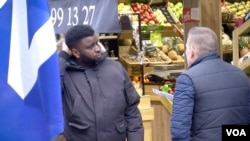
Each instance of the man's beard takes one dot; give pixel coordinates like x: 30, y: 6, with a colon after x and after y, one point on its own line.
x: 88, y: 61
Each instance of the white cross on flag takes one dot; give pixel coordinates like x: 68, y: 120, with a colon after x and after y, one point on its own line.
x: 30, y: 96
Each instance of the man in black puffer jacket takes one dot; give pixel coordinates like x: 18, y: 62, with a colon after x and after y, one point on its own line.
x: 100, y: 102
x: 209, y: 94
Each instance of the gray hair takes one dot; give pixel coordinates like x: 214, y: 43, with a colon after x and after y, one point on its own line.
x: 203, y: 39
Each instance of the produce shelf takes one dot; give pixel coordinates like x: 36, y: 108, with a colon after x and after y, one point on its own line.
x: 169, y: 16
x: 243, y: 30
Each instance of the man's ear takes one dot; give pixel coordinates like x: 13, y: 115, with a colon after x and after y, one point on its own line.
x: 75, y: 53
x: 194, y: 52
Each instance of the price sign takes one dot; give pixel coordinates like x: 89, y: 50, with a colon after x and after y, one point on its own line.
x: 190, y: 15
x: 102, y: 15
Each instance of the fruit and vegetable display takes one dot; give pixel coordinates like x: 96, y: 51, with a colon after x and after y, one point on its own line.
x: 234, y: 10
x: 226, y: 41
x: 170, y: 52
x: 177, y: 9
x: 163, y: 14
x: 169, y: 85
x: 124, y: 8
x: 174, y: 48
x: 151, y: 14
x: 156, y: 15
x: 166, y: 85
x: 244, y: 45
x: 153, y: 56
x: 147, y: 16
x: 161, y: 17
x: 146, y: 13
x: 132, y: 59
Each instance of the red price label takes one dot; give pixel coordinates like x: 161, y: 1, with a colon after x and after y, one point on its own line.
x: 190, y: 15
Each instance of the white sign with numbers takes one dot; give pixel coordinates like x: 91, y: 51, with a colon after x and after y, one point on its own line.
x: 102, y: 15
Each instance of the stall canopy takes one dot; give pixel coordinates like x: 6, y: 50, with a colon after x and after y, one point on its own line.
x: 102, y: 15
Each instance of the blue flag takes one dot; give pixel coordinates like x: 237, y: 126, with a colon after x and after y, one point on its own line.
x: 30, y: 93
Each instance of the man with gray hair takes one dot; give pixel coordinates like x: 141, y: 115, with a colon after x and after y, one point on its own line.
x: 209, y: 94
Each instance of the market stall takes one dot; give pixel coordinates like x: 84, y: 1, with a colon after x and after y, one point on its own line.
x: 210, y: 15
x: 153, y: 43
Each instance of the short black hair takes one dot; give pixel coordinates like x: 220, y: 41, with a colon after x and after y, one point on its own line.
x: 77, y: 33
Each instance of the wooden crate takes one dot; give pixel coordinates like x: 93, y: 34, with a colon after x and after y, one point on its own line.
x: 125, y: 53
x: 165, y: 59
x: 136, y: 70
x: 129, y: 51
x: 181, y: 62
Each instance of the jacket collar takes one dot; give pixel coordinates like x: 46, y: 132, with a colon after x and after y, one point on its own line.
x: 73, y: 65
x: 205, y: 57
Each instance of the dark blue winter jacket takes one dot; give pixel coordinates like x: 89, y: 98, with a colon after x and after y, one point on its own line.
x: 209, y: 94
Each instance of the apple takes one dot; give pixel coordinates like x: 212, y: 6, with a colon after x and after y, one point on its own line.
x: 141, y: 11
x: 151, y: 12
x: 151, y: 22
x: 139, y: 6
x: 142, y: 16
x: 170, y: 4
x: 148, y: 16
x: 146, y: 20
x: 135, y: 8
x: 146, y: 13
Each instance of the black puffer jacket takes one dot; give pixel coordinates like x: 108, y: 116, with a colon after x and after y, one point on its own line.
x: 100, y: 103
